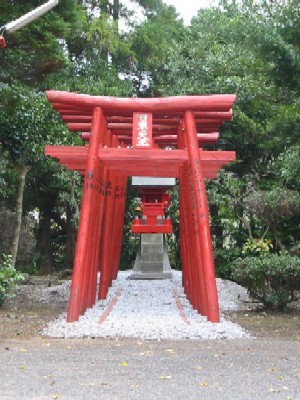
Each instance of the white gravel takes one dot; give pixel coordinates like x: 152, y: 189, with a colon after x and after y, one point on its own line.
x: 146, y: 309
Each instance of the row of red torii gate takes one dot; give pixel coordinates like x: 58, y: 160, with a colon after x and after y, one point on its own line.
x: 149, y: 137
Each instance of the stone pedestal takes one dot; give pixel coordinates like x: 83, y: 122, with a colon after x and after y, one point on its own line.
x: 152, y: 261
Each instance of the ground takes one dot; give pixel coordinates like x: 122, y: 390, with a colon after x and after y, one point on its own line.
x: 23, y: 317
x: 35, y: 367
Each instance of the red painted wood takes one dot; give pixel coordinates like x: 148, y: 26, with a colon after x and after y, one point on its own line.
x: 195, y: 280
x: 119, y: 217
x: 85, y: 215
x: 185, y: 248
x: 216, y: 102
x: 99, y: 206
x: 202, y: 114
x: 106, y: 256
x: 198, y: 273
x: 164, y: 139
x: 2, y: 42
x: 202, y: 217
x: 129, y: 162
x: 106, y: 266
x: 91, y: 245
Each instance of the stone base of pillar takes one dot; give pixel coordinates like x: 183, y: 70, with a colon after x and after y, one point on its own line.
x: 152, y: 261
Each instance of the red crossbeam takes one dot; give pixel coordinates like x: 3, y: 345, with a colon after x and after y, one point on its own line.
x: 140, y: 162
x: 176, y: 104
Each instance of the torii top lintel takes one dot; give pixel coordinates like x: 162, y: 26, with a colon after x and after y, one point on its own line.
x: 175, y: 104
x: 166, y: 115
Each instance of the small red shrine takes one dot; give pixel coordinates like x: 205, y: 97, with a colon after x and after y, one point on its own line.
x: 152, y: 137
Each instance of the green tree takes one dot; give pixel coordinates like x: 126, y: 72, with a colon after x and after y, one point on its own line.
x: 37, y: 49
x: 25, y: 129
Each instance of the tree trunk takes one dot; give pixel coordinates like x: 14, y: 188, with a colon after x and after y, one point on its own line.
x: 70, y: 239
x: 23, y: 170
x: 104, y: 6
x: 116, y: 10
x: 44, y: 235
x: 279, y: 242
x: 248, y: 227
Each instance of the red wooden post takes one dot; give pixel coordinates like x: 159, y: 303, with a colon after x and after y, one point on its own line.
x: 86, y: 278
x: 97, y: 132
x: 92, y: 279
x: 119, y: 222
x: 194, y: 256
x: 198, y: 272
x: 101, y: 206
x: 197, y: 290
x: 184, y: 245
x: 106, y: 256
x: 202, y: 215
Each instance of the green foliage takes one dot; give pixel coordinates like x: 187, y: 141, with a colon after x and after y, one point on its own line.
x: 9, y: 277
x: 130, y: 241
x: 36, y: 50
x: 274, y: 206
x: 272, y: 279
x: 257, y: 247
x: 151, y: 42
x: 173, y: 240
x: 224, y: 258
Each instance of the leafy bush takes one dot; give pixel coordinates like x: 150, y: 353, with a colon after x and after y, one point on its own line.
x: 257, y: 247
x: 224, y: 259
x: 8, y: 277
x: 273, y: 279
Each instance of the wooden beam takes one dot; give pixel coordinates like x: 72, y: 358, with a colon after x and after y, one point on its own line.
x: 217, y: 102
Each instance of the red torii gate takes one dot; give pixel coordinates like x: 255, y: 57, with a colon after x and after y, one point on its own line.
x: 157, y: 137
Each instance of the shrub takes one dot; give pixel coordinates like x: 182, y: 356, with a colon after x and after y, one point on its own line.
x: 224, y: 259
x: 273, y: 279
x: 8, y: 277
x: 256, y: 247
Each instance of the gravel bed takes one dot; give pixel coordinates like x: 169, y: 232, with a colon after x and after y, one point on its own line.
x: 148, y: 310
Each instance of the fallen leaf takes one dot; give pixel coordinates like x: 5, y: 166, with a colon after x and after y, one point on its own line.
x: 22, y: 350
x: 22, y: 367
x: 47, y: 376
x: 170, y: 351
x: 272, y: 369
x: 56, y: 396
x: 204, y: 384
x: 165, y: 377
x: 124, y: 364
